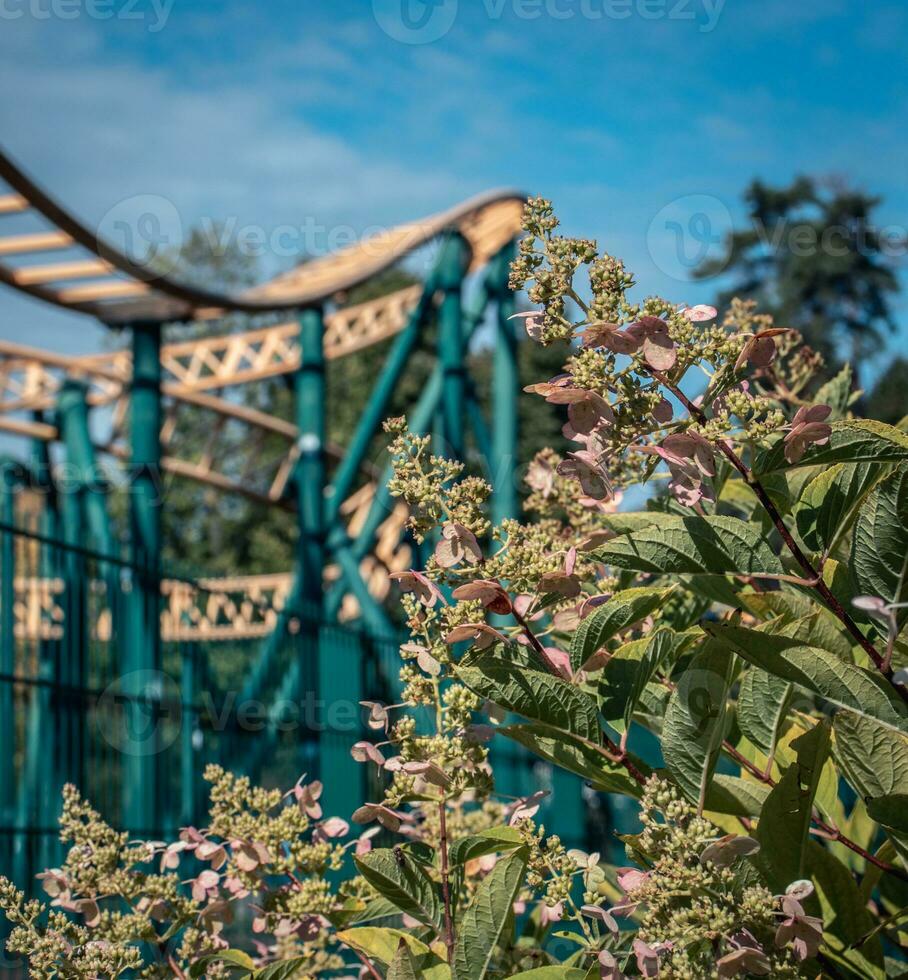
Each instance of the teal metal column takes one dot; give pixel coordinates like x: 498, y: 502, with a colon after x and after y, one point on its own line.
x: 7, y: 661
x: 143, y: 659
x: 333, y: 680
x: 82, y: 467
x: 452, y: 266
x: 309, y: 388
x: 505, y: 392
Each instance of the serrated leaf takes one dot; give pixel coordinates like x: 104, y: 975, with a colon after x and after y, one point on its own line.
x: 632, y: 667
x: 735, y: 796
x: 403, y: 882
x: 856, y: 688
x: 381, y: 943
x: 879, y: 554
x: 785, y: 819
x: 693, y: 546
x: 403, y: 966
x: 832, y: 500
x: 695, y: 720
x: 836, y: 393
x: 617, y: 614
x: 846, y: 919
x: 891, y: 812
x: 581, y: 759
x: 483, y: 923
x: 531, y: 693
x: 283, y: 970
x: 491, y: 841
x: 234, y: 958
x: 851, y: 441
x: 872, y: 758
x: 762, y: 704
x: 552, y: 973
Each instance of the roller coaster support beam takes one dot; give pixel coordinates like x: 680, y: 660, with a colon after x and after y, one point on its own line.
x: 140, y: 785
x: 83, y: 477
x: 420, y: 421
x: 374, y: 413
x: 505, y: 384
x: 335, y: 678
x: 8, y: 485
x: 42, y: 778
x: 452, y: 267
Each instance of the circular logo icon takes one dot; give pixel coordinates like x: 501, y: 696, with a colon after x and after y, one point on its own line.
x: 147, y: 229
x: 687, y: 233
x: 415, y: 21
x: 140, y: 714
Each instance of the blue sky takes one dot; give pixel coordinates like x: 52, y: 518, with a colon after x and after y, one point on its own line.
x: 634, y: 116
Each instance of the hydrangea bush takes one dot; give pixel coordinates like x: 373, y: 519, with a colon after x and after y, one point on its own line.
x: 750, y: 617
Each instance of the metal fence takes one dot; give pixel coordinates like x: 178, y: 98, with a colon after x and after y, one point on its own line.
x: 71, y: 710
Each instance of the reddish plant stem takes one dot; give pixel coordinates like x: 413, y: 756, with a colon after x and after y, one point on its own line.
x: 609, y: 750
x: 827, y: 829
x: 367, y: 964
x: 445, y: 885
x: 812, y: 573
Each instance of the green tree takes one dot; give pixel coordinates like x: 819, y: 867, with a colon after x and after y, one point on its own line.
x: 812, y: 255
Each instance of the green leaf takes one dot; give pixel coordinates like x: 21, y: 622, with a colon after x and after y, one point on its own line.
x: 492, y: 841
x: 856, y: 688
x: 891, y: 813
x: 846, y: 919
x: 535, y: 695
x: 736, y: 796
x: 785, y: 819
x: 695, y: 720
x: 612, y: 617
x: 551, y: 973
x: 577, y: 757
x: 879, y: 554
x: 832, y: 500
x: 693, y: 546
x: 662, y: 645
x: 234, y: 958
x: 872, y: 758
x: 283, y: 970
x: 851, y: 441
x: 762, y: 704
x: 483, y: 923
x: 396, y: 876
x: 403, y: 967
x: 381, y: 943
x: 836, y: 393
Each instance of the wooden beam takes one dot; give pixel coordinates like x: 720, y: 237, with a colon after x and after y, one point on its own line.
x: 60, y: 271
x: 12, y: 204
x: 44, y: 241
x: 105, y: 289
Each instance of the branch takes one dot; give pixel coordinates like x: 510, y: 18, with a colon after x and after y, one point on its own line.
x: 812, y: 574
x: 445, y: 887
x: 826, y: 829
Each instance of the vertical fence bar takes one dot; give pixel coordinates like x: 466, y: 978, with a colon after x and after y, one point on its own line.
x: 144, y: 627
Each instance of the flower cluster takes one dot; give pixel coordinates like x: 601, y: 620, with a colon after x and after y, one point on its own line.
x: 624, y: 389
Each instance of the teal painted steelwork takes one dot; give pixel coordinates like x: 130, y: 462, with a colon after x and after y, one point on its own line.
x: 8, y: 485
x: 83, y: 475
x: 505, y: 386
x: 335, y: 679
x: 143, y: 647
x: 452, y: 267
